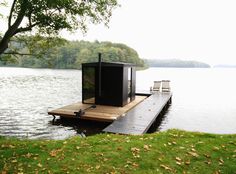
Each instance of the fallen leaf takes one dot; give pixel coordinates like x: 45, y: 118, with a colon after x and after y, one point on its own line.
x: 39, y: 165
x: 178, y: 159
x: 216, y: 148
x: 222, y: 145
x: 221, y: 160
x: 55, y: 152
x: 135, y: 164
x: 97, y: 167
x: 187, y: 162
x: 179, y: 163
x: 128, y: 162
x: 200, y: 142
x: 14, y: 161
x: 135, y: 150
x: 166, y: 167
x: 29, y: 155
x: 194, y: 154
x: 146, y: 147
x: 207, y: 156
x: 173, y: 142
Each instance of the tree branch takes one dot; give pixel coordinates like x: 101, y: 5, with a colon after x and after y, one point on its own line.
x: 29, y: 28
x: 10, y: 16
x: 17, y: 53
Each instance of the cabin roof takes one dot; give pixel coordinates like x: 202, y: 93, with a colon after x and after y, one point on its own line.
x: 111, y: 64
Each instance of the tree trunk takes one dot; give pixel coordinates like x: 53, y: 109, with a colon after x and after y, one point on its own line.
x: 4, y: 43
x: 12, y: 29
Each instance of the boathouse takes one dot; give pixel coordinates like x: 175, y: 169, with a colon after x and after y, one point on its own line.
x: 107, y: 83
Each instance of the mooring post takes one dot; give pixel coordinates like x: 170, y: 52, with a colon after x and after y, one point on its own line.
x: 53, y: 120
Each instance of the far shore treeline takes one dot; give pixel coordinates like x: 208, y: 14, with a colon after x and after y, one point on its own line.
x: 38, y: 52
x: 175, y: 63
x: 71, y: 54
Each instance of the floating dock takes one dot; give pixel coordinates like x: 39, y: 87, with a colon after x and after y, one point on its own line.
x: 138, y: 120
x: 101, y: 113
x: 135, y: 118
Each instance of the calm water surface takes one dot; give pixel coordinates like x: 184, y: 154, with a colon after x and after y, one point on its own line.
x: 203, y: 100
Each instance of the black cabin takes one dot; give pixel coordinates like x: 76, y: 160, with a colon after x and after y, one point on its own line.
x: 107, y: 83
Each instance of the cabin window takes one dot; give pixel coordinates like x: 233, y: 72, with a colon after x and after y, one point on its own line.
x: 129, y: 83
x: 88, y: 85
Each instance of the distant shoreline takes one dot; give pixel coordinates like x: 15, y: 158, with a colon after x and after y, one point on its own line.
x: 175, y: 63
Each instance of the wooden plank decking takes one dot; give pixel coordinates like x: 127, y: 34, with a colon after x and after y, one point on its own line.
x: 100, y: 113
x: 139, y: 119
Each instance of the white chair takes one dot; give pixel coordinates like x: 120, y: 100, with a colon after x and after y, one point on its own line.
x: 165, y: 86
x: 157, y: 86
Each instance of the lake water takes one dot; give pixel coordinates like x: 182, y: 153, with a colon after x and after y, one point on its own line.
x: 203, y: 100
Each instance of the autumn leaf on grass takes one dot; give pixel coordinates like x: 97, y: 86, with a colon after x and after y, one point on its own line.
x: 194, y: 154
x: 147, y: 147
x: 216, y: 148
x: 187, y: 162
x: 221, y: 161
x: 135, y: 151
x: 207, y: 155
x: 135, y: 164
x: 178, y: 161
x: 166, y: 167
x: 55, y: 152
x: 39, y: 165
x: 208, y: 162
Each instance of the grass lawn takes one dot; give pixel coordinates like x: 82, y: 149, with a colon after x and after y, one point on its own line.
x: 173, y: 151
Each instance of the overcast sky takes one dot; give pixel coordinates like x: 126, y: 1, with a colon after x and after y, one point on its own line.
x: 203, y: 30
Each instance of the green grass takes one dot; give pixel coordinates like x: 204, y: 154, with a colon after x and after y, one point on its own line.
x: 173, y: 151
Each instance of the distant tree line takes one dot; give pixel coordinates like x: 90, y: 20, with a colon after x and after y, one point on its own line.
x: 175, y: 63
x: 71, y: 54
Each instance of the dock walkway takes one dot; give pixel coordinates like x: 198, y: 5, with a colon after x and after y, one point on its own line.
x: 100, y: 113
x: 139, y: 119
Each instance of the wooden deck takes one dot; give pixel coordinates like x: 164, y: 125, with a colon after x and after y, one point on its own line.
x: 139, y: 119
x: 100, y: 113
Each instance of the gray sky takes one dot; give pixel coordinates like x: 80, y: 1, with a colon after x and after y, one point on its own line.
x: 203, y: 30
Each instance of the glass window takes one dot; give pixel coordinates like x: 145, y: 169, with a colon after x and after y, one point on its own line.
x: 129, y: 82
x: 89, y: 85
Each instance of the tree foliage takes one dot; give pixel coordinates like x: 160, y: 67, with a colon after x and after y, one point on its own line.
x: 73, y: 53
x: 48, y: 17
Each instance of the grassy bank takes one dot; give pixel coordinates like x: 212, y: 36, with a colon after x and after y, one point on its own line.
x: 173, y: 151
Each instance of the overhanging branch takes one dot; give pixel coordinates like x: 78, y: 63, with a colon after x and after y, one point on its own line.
x: 29, y: 28
x: 20, y: 54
